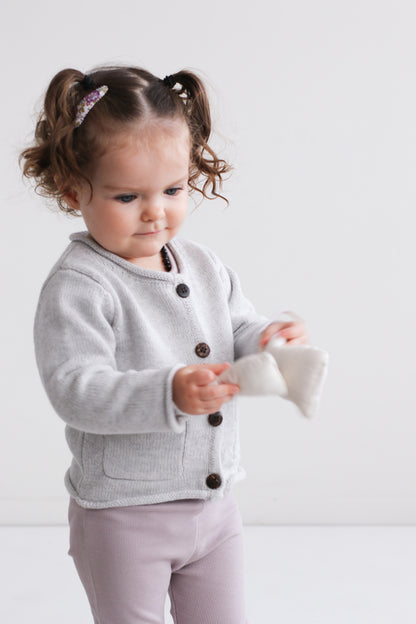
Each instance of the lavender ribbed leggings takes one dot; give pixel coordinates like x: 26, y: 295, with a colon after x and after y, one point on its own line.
x: 128, y: 558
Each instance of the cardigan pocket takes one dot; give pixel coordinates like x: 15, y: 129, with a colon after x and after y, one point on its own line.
x: 145, y: 456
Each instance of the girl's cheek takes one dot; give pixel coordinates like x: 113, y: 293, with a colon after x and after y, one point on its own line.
x: 119, y: 217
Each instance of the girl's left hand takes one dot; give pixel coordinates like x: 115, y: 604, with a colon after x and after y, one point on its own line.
x: 293, y: 332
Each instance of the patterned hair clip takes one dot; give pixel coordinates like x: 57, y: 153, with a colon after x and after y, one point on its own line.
x: 87, y: 103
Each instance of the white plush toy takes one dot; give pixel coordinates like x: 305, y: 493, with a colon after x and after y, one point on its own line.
x: 294, y: 372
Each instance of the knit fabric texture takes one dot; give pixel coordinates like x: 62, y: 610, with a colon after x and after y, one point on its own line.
x: 109, y: 338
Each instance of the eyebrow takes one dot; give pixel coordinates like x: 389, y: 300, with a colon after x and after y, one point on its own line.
x: 110, y: 187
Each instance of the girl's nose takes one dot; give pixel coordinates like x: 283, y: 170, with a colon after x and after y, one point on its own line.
x: 152, y: 210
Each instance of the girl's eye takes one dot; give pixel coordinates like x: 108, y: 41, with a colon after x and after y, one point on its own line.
x: 172, y: 191
x: 125, y: 199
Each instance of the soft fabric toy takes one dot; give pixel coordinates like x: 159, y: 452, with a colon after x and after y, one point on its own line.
x: 256, y: 374
x: 296, y: 373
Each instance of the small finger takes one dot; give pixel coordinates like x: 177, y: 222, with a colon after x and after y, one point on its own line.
x: 270, y: 331
x: 208, y: 407
x: 207, y: 373
x: 298, y: 341
x: 294, y: 331
x: 278, y: 330
x: 218, y: 391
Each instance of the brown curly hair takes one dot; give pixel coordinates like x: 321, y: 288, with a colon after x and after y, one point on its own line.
x: 59, y: 159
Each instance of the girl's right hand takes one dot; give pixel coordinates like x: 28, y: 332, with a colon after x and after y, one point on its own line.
x: 194, y: 391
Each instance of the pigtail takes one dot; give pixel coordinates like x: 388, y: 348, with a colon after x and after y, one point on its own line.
x: 51, y: 161
x: 204, y: 161
x: 60, y: 159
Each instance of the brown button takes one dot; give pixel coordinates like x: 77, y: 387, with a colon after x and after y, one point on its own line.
x: 213, y: 481
x: 215, y: 419
x: 202, y: 350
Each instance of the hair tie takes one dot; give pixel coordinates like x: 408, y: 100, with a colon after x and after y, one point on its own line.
x: 87, y: 103
x: 87, y: 82
x: 169, y: 81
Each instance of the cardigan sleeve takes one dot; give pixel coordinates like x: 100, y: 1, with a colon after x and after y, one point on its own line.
x: 75, y: 353
x: 247, y: 324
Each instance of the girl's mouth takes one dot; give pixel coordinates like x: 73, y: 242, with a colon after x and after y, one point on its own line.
x: 148, y: 233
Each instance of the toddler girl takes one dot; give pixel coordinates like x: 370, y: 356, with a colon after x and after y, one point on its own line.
x: 133, y: 326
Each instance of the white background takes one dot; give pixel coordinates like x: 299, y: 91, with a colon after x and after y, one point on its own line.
x: 315, y: 105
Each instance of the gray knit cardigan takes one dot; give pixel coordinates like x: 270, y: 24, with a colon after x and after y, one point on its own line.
x: 109, y: 337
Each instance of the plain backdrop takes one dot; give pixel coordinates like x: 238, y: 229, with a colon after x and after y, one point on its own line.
x: 314, y: 104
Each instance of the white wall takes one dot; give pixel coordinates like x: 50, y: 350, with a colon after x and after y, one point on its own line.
x: 315, y: 104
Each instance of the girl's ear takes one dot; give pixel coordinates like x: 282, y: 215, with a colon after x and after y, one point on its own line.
x: 71, y: 198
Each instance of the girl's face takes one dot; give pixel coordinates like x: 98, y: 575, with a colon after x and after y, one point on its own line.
x: 140, y: 192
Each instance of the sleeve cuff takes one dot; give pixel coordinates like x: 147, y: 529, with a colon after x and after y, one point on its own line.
x: 176, y: 418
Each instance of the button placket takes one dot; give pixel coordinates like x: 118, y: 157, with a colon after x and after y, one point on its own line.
x: 215, y: 419
x: 202, y: 350
x: 213, y: 481
x: 183, y: 290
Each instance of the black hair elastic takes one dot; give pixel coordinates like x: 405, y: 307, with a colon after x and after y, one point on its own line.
x: 88, y: 83
x: 169, y: 81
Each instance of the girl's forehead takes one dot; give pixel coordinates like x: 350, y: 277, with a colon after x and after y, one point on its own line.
x: 163, y: 149
x: 153, y: 132
x: 164, y: 139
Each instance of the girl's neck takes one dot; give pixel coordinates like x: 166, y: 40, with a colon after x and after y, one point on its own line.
x: 159, y: 262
